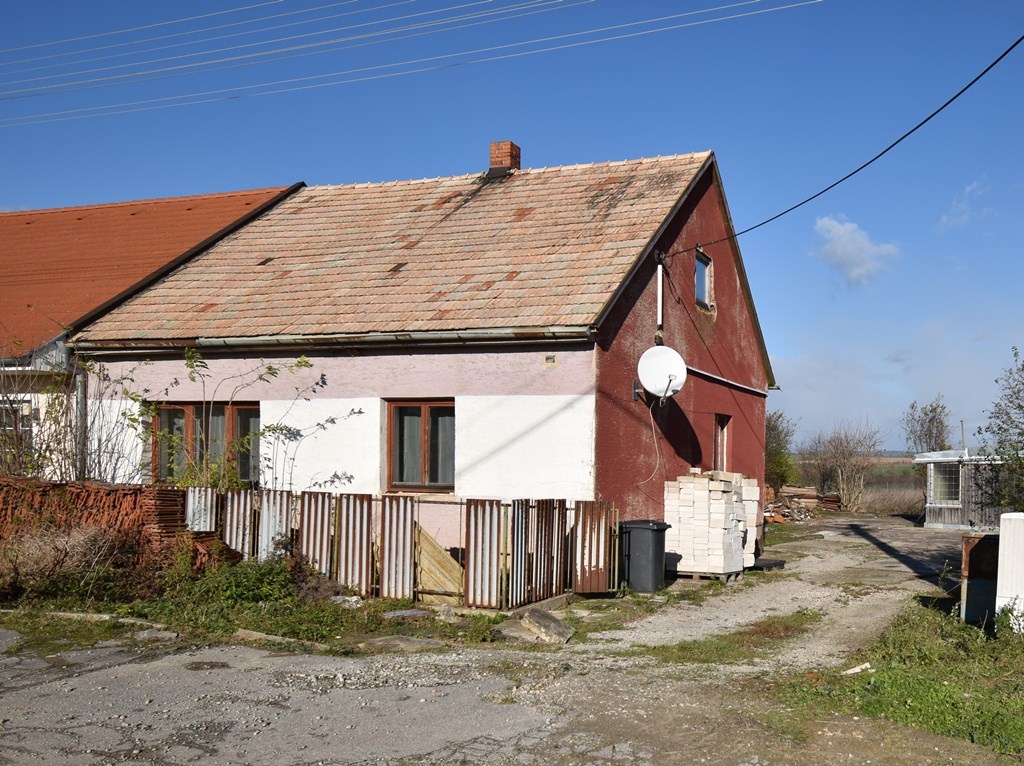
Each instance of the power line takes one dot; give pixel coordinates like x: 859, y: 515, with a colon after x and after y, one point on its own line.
x: 418, y: 66
x: 139, y: 28
x: 187, y: 33
x: 870, y: 162
x: 69, y: 87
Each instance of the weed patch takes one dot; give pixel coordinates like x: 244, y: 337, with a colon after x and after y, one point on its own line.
x: 933, y: 673
x: 742, y: 645
x: 44, y: 634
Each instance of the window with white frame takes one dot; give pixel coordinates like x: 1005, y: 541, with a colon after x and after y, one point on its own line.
x: 15, y: 436
x: 944, y: 484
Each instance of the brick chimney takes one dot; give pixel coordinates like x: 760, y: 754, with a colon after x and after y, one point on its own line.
x: 504, y: 159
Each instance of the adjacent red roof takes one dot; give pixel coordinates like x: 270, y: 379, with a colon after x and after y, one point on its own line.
x: 60, y: 265
x: 538, y: 248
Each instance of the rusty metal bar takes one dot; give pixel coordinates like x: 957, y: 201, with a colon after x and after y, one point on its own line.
x: 397, y: 547
x: 275, y: 520
x: 237, y: 533
x: 316, y: 529
x: 201, y: 509
x: 593, y: 547
x: 353, y: 559
x: 483, y: 553
x: 517, y: 590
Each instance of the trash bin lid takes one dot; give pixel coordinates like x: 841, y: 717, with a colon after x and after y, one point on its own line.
x: 646, y: 524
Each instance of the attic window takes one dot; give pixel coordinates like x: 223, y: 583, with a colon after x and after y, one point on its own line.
x: 397, y: 267
x: 265, y: 261
x: 702, y: 279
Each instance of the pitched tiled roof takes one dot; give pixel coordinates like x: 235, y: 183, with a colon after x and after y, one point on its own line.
x: 59, y: 265
x: 539, y: 248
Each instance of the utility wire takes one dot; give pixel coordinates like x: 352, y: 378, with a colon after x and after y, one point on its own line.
x: 426, y: 64
x: 69, y: 87
x: 187, y: 33
x: 870, y: 162
x: 138, y: 29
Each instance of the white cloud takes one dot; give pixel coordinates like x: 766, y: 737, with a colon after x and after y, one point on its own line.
x: 849, y: 249
x: 964, y: 209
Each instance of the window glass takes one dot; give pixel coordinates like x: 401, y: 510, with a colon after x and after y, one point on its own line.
x: 442, y: 445
x: 171, y: 443
x: 408, y: 441
x: 945, y: 483
x: 247, y: 438
x: 702, y: 280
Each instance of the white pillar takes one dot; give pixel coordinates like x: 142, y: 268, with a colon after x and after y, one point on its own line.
x: 1010, y: 575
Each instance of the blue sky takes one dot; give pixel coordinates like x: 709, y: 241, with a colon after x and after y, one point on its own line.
x: 901, y: 284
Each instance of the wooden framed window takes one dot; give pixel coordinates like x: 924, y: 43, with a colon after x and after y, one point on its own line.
x: 721, y: 456
x: 421, y: 445
x: 702, y: 280
x: 206, y: 438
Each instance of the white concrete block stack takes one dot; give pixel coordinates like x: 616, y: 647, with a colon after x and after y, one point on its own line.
x: 709, y: 515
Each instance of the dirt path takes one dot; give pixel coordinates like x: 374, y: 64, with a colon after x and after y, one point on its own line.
x: 587, y: 703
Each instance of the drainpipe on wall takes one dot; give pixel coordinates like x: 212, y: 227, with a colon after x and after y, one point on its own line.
x: 82, y: 411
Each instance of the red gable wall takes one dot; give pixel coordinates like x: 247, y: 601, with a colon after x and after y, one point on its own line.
x: 640, y: 446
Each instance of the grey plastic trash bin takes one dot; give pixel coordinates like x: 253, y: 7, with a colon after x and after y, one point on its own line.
x: 643, y: 554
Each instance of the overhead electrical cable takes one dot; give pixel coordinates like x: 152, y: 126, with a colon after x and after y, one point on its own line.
x: 70, y: 87
x: 190, y: 32
x: 139, y: 28
x: 873, y: 160
x: 420, y: 65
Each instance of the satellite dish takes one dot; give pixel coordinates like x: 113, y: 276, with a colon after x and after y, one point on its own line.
x: 662, y: 371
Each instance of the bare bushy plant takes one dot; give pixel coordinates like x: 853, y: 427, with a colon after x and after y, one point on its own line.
x: 839, y: 460
x: 50, y: 561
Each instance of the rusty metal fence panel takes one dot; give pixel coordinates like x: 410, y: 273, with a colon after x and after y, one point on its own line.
x: 594, y: 532
x: 397, y: 547
x: 517, y: 555
x: 275, y: 520
x: 316, y: 529
x: 239, y: 521
x: 201, y: 505
x: 354, y: 543
x: 548, y: 524
x: 484, y: 537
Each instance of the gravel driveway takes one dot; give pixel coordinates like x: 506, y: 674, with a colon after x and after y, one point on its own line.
x: 586, y: 703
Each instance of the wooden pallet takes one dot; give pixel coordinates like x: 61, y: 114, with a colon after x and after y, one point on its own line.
x: 725, y: 577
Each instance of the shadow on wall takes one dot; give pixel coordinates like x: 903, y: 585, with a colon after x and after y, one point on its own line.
x: 677, y: 429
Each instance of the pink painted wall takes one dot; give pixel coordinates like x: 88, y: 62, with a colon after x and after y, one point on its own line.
x: 639, y: 447
x: 383, y: 374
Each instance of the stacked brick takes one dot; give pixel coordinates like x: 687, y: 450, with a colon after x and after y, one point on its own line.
x: 155, y: 513
x: 715, y: 522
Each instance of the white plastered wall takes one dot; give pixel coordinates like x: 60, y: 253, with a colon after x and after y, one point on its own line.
x: 350, y: 446
x: 525, y: 446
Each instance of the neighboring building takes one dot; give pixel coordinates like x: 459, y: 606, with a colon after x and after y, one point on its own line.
x: 62, y: 267
x: 955, y: 494
x: 470, y: 336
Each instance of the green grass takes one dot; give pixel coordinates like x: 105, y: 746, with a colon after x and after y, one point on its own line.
x: 933, y: 673
x: 279, y: 597
x: 45, y: 634
x: 743, y: 645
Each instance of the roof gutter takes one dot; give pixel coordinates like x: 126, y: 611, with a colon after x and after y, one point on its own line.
x: 551, y: 334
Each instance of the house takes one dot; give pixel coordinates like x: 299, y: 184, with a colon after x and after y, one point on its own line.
x: 956, y: 489
x: 469, y: 336
x: 64, y: 266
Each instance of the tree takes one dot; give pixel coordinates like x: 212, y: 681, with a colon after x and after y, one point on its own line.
x: 841, y: 458
x: 779, y: 467
x: 927, y: 426
x: 1003, y: 435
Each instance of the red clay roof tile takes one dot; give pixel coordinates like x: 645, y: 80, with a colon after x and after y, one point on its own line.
x: 58, y: 265
x: 430, y: 255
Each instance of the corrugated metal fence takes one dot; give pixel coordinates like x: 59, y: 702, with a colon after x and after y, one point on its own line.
x: 512, y: 554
